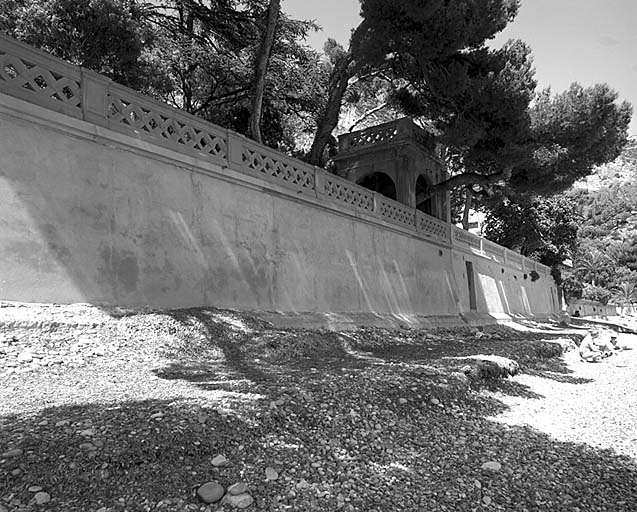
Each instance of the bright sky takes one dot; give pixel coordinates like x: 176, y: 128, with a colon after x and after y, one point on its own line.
x: 585, y: 41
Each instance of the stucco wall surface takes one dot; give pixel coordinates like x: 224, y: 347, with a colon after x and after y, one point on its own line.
x: 504, y: 291
x: 89, y: 215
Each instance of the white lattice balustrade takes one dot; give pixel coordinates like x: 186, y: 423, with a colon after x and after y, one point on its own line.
x: 372, y: 136
x: 45, y: 86
x: 397, y: 212
x: 164, y: 126
x: 279, y: 169
x: 349, y: 193
x: 432, y: 227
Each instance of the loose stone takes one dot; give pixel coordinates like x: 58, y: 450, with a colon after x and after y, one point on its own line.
x: 41, y: 498
x: 219, y: 460
x: 271, y: 474
x: 238, y: 501
x: 492, y: 466
x: 211, y: 492
x: 238, y: 488
x: 12, y: 453
x: 25, y: 357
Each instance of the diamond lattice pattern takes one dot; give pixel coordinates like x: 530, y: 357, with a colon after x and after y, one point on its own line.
x: 164, y: 127
x: 350, y: 195
x: 45, y: 84
x: 278, y: 169
x: 432, y: 227
x: 397, y: 213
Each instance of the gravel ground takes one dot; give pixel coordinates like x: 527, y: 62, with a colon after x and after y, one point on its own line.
x: 596, y: 405
x: 115, y: 410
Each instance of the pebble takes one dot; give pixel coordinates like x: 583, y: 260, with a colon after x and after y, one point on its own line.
x: 34, y: 488
x: 219, y: 461
x: 303, y: 484
x: 271, y: 474
x: 238, y: 488
x: 42, y: 497
x: 238, y: 501
x: 211, y: 492
x: 491, y: 466
x: 25, y: 357
x: 12, y: 453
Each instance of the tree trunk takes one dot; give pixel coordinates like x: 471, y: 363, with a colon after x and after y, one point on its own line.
x: 468, y: 199
x: 263, y: 57
x: 329, y: 118
x: 343, y: 71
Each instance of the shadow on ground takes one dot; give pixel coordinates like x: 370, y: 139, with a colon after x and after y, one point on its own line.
x: 348, y: 422
x: 260, y: 353
x: 354, y: 442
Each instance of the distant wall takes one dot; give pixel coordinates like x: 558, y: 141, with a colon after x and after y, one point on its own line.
x: 584, y: 307
x: 108, y: 197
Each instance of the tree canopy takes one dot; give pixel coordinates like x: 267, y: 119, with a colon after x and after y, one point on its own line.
x: 421, y: 45
x: 107, y: 36
x: 243, y: 64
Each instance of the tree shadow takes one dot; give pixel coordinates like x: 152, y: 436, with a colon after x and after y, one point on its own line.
x: 327, y: 440
x: 255, y: 354
x: 378, y: 417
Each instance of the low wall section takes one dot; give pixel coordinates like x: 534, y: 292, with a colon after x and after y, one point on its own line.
x: 107, y: 196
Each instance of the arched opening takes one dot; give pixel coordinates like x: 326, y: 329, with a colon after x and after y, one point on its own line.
x: 424, y: 201
x: 379, y: 182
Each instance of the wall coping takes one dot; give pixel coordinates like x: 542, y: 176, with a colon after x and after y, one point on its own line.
x: 45, y: 81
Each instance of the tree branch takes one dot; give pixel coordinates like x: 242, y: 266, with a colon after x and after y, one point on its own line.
x: 367, y: 114
x: 467, y: 179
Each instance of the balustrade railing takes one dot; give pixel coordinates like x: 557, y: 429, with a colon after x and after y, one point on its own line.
x: 259, y: 160
x: 462, y: 237
x: 433, y: 228
x: 348, y: 193
x: 128, y: 111
x: 399, y: 129
x: 39, y: 78
x: 493, y: 250
x: 399, y: 213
